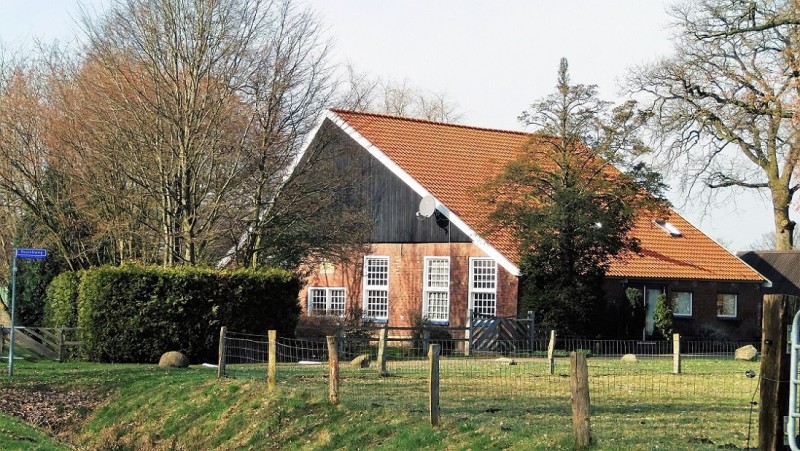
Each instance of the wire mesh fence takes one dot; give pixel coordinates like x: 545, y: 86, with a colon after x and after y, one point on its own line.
x: 643, y: 399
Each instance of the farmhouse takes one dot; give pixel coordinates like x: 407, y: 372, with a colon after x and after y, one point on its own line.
x: 427, y: 256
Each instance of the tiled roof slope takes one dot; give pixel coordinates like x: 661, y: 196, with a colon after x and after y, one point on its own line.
x: 451, y: 161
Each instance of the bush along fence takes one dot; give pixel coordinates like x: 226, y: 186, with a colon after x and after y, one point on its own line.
x: 662, y: 393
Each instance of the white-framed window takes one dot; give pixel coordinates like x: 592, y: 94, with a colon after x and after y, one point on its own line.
x: 376, y: 288
x: 726, y: 305
x: 682, y: 305
x: 483, y: 286
x: 326, y: 301
x: 436, y: 289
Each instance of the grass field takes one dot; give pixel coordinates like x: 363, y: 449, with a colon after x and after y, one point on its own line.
x: 485, y: 405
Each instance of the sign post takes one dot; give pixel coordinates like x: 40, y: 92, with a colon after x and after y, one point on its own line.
x: 25, y: 254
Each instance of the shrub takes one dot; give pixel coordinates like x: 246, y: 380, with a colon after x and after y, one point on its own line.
x: 436, y: 335
x: 61, y: 302
x: 33, y: 278
x: 636, y: 313
x: 134, y: 313
x: 662, y: 316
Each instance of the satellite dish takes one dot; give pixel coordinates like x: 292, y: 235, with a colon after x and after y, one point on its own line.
x: 427, y: 206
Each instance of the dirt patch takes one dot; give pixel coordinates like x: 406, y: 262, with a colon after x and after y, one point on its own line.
x: 53, y: 410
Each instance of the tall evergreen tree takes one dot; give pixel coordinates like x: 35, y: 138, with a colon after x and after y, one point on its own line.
x: 571, y: 210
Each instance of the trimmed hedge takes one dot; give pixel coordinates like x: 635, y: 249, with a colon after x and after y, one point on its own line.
x: 61, y: 303
x: 134, y: 313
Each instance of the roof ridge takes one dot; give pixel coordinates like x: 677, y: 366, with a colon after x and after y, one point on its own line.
x: 431, y: 122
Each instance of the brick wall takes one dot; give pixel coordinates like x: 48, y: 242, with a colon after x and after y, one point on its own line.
x: 406, y: 270
x: 704, y: 321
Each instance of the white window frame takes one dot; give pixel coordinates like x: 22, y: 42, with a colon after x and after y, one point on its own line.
x: 428, y: 290
x: 366, y: 288
x: 735, y: 305
x: 473, y: 290
x: 691, y: 304
x: 328, y: 301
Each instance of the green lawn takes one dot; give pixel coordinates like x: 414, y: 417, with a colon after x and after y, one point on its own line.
x: 485, y: 405
x: 15, y: 434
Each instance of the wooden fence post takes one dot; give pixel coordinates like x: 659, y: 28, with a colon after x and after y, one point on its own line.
x: 551, y: 347
x: 333, y: 364
x: 62, y: 351
x: 272, y: 365
x: 433, y: 359
x: 468, y: 333
x: 676, y: 353
x: 579, y: 382
x: 221, y: 362
x: 382, y: 351
x: 426, y: 337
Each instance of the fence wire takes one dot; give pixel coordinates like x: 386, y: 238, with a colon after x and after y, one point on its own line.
x: 639, y: 400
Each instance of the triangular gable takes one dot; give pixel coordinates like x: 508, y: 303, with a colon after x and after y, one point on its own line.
x: 404, y: 176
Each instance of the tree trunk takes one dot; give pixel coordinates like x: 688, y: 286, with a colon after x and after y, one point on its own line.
x: 784, y: 227
x: 778, y: 313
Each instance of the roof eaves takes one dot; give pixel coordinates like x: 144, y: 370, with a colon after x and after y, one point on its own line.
x: 419, y: 189
x: 765, y: 282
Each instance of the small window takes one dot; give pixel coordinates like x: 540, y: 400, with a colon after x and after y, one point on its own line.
x: 668, y: 227
x: 683, y: 303
x: 326, y: 267
x: 726, y: 305
x: 326, y: 301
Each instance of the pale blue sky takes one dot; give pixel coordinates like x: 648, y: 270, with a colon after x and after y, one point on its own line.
x: 492, y: 58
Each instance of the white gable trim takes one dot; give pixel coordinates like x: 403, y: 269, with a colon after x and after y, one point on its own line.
x: 419, y: 189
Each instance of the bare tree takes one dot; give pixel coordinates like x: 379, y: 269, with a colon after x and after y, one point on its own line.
x: 31, y: 173
x: 724, y: 106
x: 397, y: 98
x: 208, y: 101
x: 290, y: 86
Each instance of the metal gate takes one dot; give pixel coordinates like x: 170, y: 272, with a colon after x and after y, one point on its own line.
x: 794, y: 382
x: 503, y: 335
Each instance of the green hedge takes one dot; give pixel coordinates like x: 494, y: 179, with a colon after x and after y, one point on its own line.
x: 60, y: 308
x: 134, y: 313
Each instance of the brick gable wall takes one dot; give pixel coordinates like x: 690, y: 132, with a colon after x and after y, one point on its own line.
x: 406, y: 270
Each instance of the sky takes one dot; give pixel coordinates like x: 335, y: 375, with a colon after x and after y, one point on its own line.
x: 491, y: 58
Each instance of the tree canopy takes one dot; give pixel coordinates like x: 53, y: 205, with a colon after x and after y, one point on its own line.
x: 169, y: 133
x: 570, y: 208
x: 724, y: 107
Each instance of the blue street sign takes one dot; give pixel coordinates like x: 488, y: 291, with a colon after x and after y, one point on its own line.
x: 32, y: 254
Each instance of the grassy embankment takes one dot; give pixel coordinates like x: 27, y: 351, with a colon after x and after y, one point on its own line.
x: 144, y: 407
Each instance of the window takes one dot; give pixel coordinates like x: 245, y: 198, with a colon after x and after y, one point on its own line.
x: 376, y: 288
x: 326, y: 301
x: 436, y: 289
x: 726, y: 305
x: 683, y: 303
x: 668, y: 227
x: 483, y: 286
x: 326, y: 267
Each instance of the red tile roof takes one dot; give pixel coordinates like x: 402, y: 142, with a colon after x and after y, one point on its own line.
x: 451, y: 161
